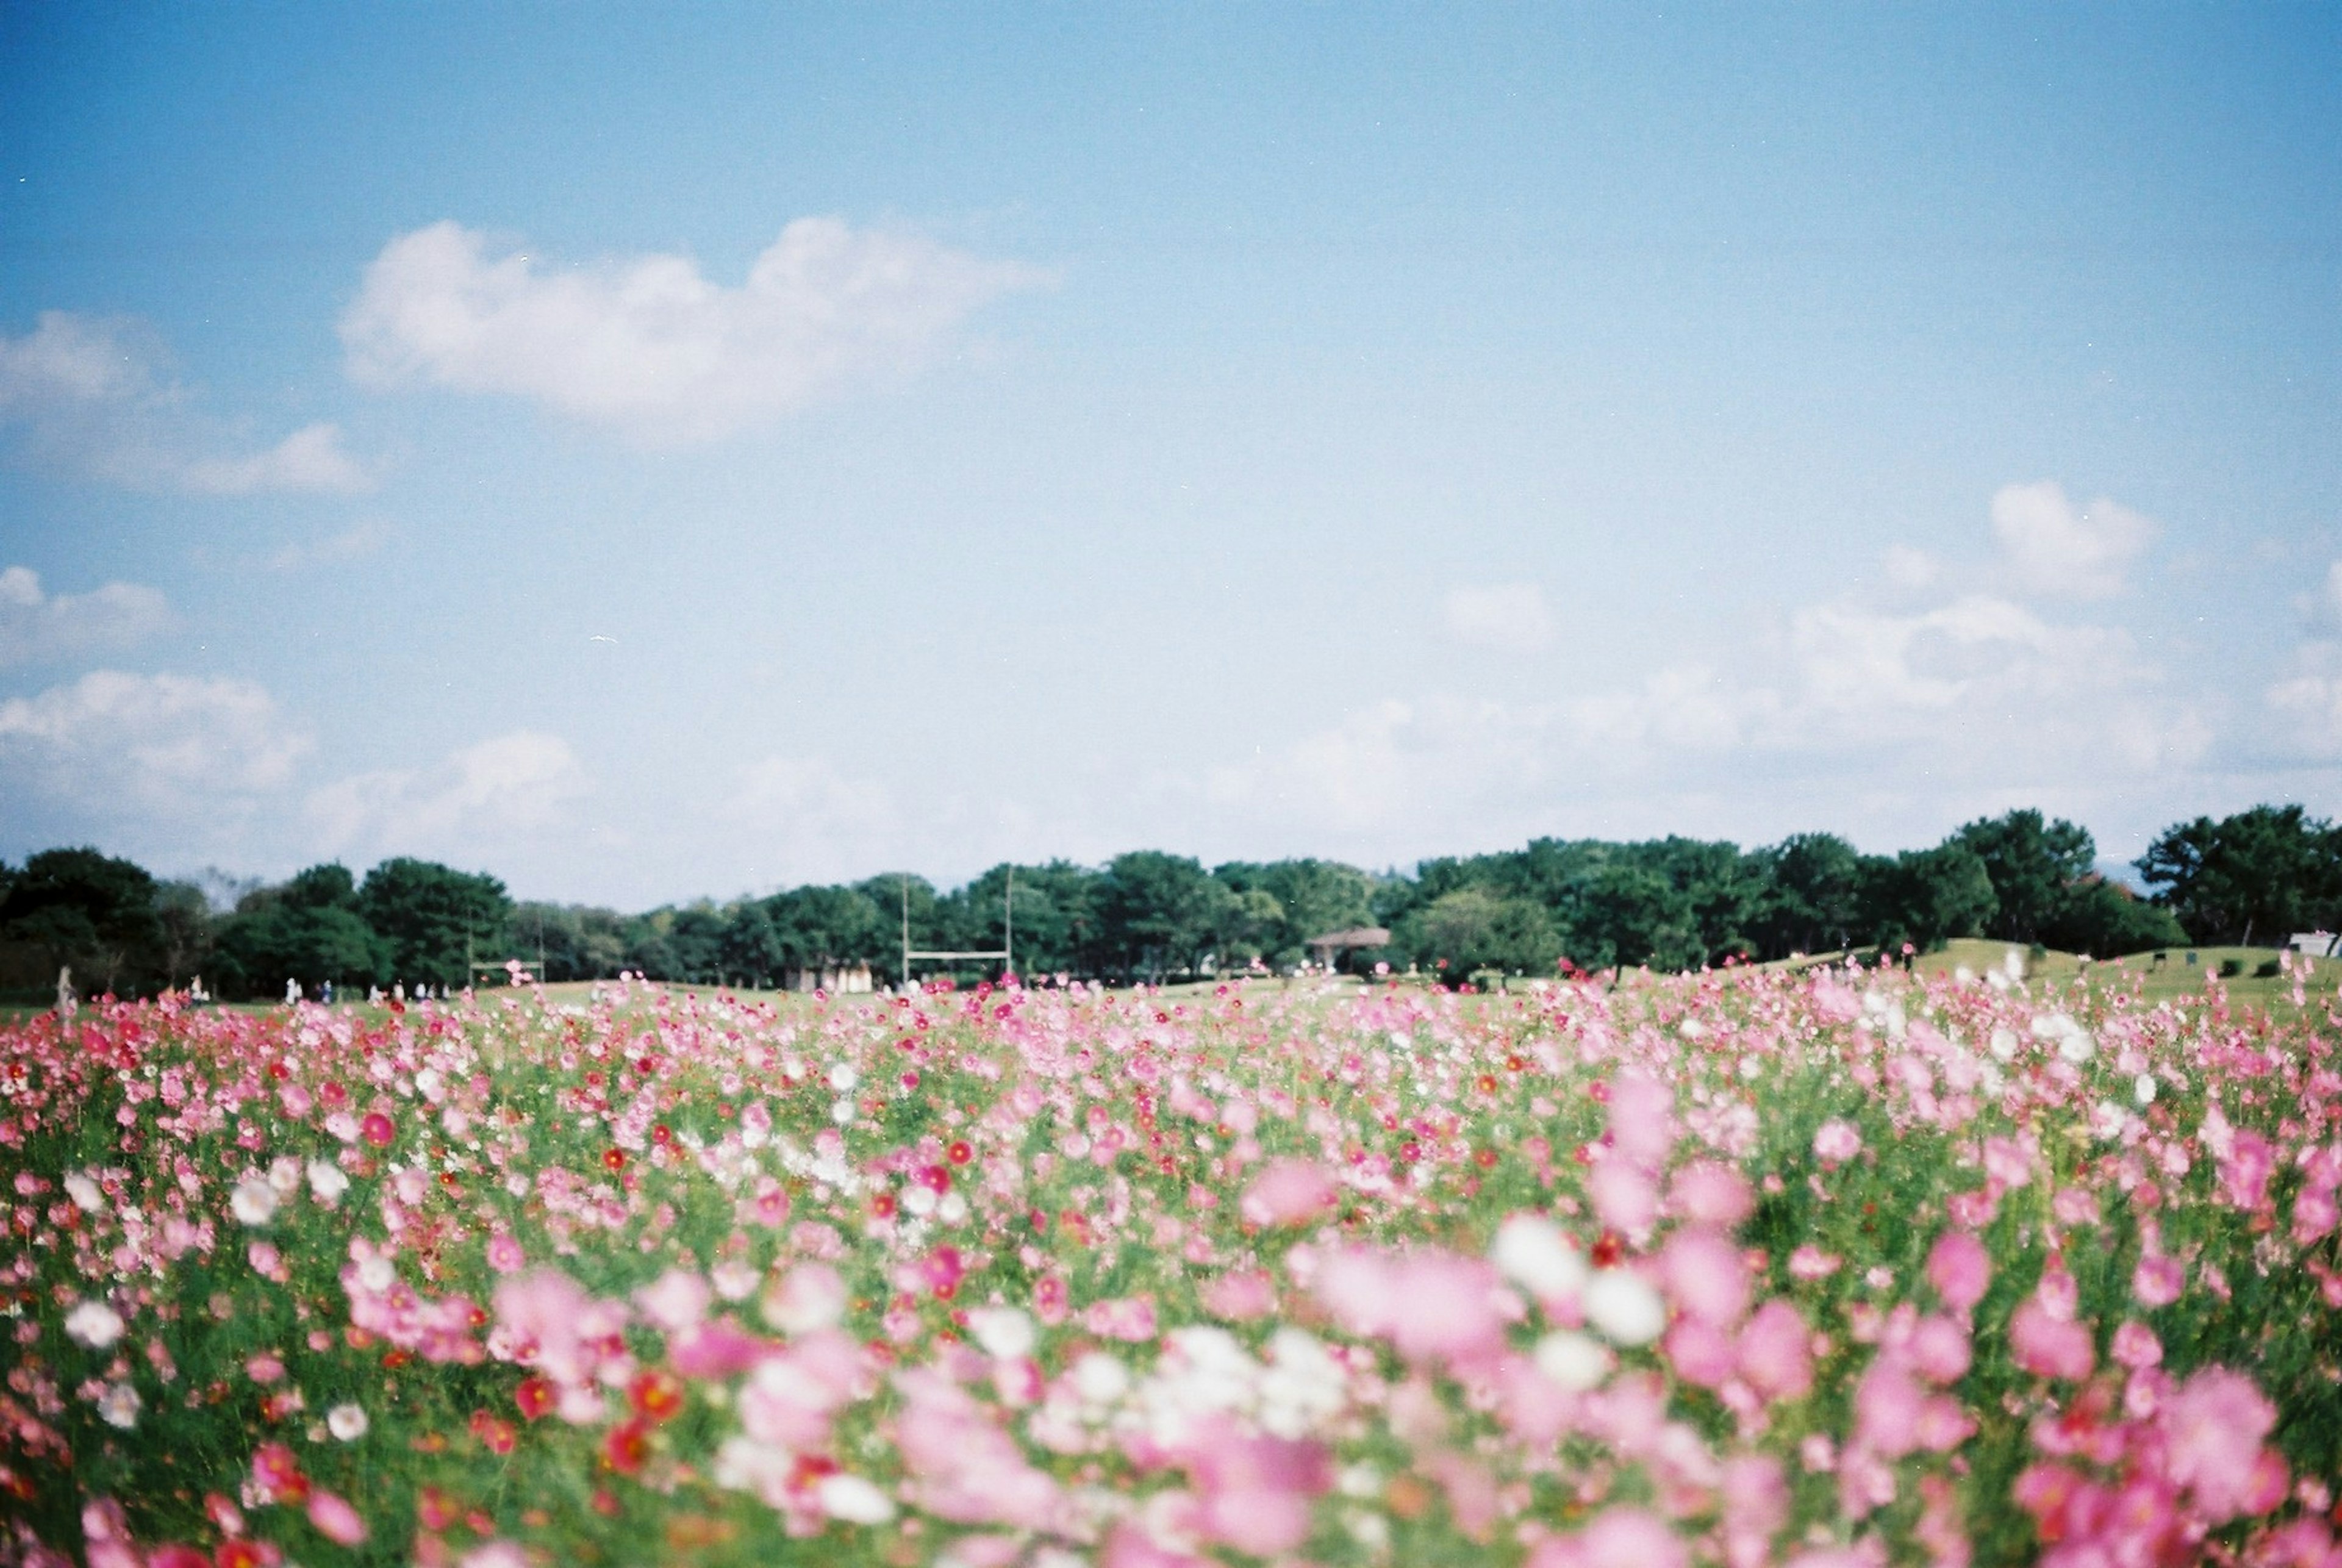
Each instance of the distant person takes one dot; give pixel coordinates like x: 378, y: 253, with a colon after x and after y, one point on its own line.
x: 292, y: 991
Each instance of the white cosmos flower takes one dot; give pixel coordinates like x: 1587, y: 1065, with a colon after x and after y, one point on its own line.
x: 2003, y: 1045
x: 843, y: 1077
x: 284, y: 1175
x: 253, y: 1202
x: 1532, y: 1252
x: 1004, y: 1333
x: 84, y: 1193
x: 119, y: 1405
x: 842, y: 1112
x: 1623, y: 1308
x: 2142, y: 1089
x: 327, y: 1180
x: 855, y: 1500
x: 377, y: 1273
x: 347, y: 1421
x: 94, y: 1325
x: 1572, y: 1360
x: 1100, y: 1379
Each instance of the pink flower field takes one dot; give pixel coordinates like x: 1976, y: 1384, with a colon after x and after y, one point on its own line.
x: 1745, y: 1268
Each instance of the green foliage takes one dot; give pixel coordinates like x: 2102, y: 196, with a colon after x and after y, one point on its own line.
x: 2268, y: 872
x: 88, y: 910
x: 434, y: 920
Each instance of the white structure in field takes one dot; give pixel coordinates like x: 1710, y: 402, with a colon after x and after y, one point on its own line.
x: 2316, y: 943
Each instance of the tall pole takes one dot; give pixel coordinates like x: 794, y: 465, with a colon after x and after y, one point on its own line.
x: 904, y: 881
x: 1008, y: 923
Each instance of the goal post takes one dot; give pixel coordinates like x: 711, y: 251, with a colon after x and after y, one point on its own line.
x: 1006, y: 952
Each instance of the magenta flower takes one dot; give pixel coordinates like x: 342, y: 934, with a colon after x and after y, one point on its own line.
x: 1959, y: 1268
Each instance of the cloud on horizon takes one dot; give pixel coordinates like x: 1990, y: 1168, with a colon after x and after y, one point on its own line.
x: 649, y: 345
x: 93, y: 397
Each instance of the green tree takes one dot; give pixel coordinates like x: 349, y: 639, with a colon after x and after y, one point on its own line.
x: 1926, y: 897
x: 1159, y: 912
x: 1474, y: 928
x: 435, y: 921
x: 2034, y: 865
x: 1811, y: 895
x: 88, y: 910
x: 2267, y: 873
x: 308, y: 929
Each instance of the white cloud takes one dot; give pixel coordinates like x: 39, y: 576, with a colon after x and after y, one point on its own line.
x: 1910, y: 567
x: 111, y: 745
x: 1508, y: 616
x: 349, y: 544
x: 93, y: 395
x: 311, y: 459
x: 2311, y: 704
x: 36, y: 626
x: 2324, y: 607
x: 800, y: 819
x: 651, y: 346
x: 2058, y: 552
x: 517, y: 783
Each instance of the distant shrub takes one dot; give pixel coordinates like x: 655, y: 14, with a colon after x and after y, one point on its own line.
x: 2231, y: 967
x: 2268, y: 967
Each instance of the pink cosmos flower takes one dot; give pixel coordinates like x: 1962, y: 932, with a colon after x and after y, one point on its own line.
x: 1432, y: 1304
x: 504, y: 1254
x: 1625, y: 1198
x: 1642, y: 1119
x: 377, y: 1129
x: 1129, y: 1318
x: 1240, y: 1295
x: 1959, y: 1268
x: 335, y: 1520
x: 1618, y: 1538
x: 2050, y: 1346
x: 2159, y: 1281
x: 1289, y: 1192
x: 1706, y: 1275
x: 2214, y: 1425
x: 1776, y: 1351
x: 2245, y: 1170
x: 1709, y: 1193
x: 1810, y: 1263
x: 1836, y: 1142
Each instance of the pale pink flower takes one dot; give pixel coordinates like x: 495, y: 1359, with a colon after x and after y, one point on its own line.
x: 1959, y: 1268
x: 1810, y: 1263
x: 675, y: 1300
x: 1700, y: 1353
x: 2048, y: 1345
x: 1939, y: 1350
x: 1706, y: 1275
x: 1776, y: 1352
x: 2159, y: 1281
x: 2136, y: 1347
x: 1240, y: 1295
x: 2214, y: 1425
x: 335, y: 1520
x: 1130, y: 1318
x: 1289, y: 1192
x: 1710, y: 1193
x: 1836, y: 1142
x: 1625, y: 1198
x: 1642, y: 1119
x: 2245, y: 1170
x: 504, y: 1254
x: 1618, y: 1538
x: 1430, y: 1303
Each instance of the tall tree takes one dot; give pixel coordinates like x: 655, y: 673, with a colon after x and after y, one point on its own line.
x: 2260, y: 873
x: 435, y: 919
x: 2032, y: 865
x: 91, y: 911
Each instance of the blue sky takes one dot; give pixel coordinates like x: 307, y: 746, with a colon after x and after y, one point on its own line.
x: 662, y: 451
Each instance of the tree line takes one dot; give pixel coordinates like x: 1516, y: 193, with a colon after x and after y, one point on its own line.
x: 1673, y: 904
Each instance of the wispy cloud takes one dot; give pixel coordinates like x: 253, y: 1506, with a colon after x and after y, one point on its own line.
x: 93, y: 395
x: 2058, y: 550
x: 349, y: 544
x: 173, y: 747
x: 37, y: 627
x: 1508, y: 616
x: 649, y: 345
x: 517, y: 783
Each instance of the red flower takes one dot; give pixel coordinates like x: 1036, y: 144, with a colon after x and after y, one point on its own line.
x: 656, y: 1395
x: 534, y: 1397
x: 959, y: 1153
x: 615, y: 1159
x: 626, y: 1446
x: 377, y: 1129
